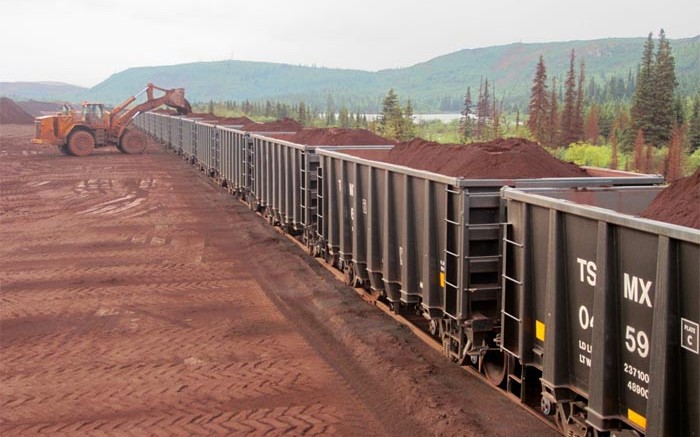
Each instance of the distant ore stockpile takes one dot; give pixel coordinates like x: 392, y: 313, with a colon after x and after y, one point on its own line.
x: 11, y: 113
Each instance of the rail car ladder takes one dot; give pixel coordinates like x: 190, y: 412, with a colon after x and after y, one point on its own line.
x: 512, y: 308
x: 470, y: 271
x: 248, y: 170
x: 309, y: 188
x: 216, y: 150
x: 320, y: 205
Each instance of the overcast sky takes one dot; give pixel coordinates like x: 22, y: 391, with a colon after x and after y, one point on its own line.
x: 83, y: 42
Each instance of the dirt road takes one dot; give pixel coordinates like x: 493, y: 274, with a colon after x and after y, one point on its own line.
x: 136, y: 298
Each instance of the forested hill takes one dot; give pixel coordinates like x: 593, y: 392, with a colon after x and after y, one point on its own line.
x: 437, y: 84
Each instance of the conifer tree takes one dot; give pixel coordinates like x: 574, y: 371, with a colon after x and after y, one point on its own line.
x: 639, y: 156
x: 483, y: 110
x: 622, y: 128
x: 615, y: 154
x: 642, y: 106
x: 578, y: 111
x: 391, y: 117
x: 408, y: 127
x: 591, y: 128
x: 302, y: 115
x: 330, y: 111
x: 466, y: 124
x: 538, y: 110
x: 553, y: 117
x: 678, y: 110
x: 568, y: 116
x: 344, y: 117
x: 664, y: 86
x: 674, y: 157
x: 648, y: 164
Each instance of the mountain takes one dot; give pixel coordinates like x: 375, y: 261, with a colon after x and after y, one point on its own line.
x: 51, y: 91
x: 428, y: 84
x: 512, y: 67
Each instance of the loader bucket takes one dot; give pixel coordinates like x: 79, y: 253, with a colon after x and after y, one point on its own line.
x: 176, y: 99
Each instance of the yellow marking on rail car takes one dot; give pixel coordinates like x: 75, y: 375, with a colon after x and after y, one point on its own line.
x: 442, y: 279
x: 637, y: 418
x: 539, y: 330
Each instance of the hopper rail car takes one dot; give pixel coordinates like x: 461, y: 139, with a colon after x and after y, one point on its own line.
x: 551, y: 288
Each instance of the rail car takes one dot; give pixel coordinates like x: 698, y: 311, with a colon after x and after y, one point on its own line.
x: 493, y: 271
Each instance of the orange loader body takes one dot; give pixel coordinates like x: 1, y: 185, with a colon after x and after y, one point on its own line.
x: 78, y: 133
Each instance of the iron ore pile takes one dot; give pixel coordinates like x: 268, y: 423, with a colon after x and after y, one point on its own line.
x: 505, y: 158
x: 338, y: 137
x: 12, y: 113
x: 283, y: 125
x: 679, y: 203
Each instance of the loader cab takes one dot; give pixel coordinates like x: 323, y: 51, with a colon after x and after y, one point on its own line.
x: 93, y: 113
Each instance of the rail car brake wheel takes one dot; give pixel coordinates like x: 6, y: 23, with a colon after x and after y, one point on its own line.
x: 80, y: 143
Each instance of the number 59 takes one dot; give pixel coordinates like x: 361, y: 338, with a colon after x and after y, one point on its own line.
x: 638, y: 343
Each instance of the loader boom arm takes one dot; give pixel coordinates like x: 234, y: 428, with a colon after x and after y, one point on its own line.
x: 120, y: 117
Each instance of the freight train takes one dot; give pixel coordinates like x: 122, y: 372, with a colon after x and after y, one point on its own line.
x: 550, y: 287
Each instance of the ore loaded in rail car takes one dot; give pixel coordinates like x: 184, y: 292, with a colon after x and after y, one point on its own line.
x: 430, y: 242
x: 207, y: 147
x: 213, y: 135
x: 601, y: 312
x: 284, y: 184
x: 233, y: 146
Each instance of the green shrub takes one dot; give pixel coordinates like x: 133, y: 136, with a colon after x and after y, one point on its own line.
x: 692, y: 163
x: 588, y: 154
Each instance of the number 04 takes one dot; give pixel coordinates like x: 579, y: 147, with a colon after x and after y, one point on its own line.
x: 638, y: 343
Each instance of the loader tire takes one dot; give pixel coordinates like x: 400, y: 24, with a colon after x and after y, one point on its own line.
x: 64, y: 150
x: 132, y: 141
x: 80, y: 143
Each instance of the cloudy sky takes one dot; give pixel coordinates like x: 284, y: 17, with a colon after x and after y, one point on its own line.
x: 82, y: 42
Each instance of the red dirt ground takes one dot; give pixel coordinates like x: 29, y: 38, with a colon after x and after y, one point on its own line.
x: 679, y: 203
x: 137, y: 298
x: 511, y: 158
x: 338, y: 137
x: 11, y: 113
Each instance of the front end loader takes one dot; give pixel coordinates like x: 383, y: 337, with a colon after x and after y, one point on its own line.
x: 78, y: 133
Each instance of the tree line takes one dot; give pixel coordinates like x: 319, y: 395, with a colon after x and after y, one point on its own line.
x: 657, y: 117
x: 303, y: 113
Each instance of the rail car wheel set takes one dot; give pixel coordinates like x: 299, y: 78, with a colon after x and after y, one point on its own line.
x: 552, y: 288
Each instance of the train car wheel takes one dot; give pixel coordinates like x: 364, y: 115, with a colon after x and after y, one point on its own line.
x: 349, y: 275
x: 494, y: 367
